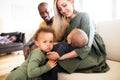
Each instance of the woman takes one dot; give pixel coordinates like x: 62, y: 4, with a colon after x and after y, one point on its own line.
x: 90, y: 58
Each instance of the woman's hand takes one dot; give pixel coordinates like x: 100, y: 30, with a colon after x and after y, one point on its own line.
x: 53, y: 55
x: 52, y: 63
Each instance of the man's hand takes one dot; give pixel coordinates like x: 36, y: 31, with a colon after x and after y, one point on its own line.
x: 33, y: 47
x: 53, y: 55
x: 26, y: 50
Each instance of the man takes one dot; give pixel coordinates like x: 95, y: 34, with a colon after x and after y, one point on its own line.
x: 46, y: 15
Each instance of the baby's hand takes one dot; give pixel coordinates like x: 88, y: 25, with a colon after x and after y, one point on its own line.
x: 53, y: 55
x: 52, y: 63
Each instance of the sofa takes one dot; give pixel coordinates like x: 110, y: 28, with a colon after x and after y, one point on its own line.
x: 7, y: 44
x: 109, y: 30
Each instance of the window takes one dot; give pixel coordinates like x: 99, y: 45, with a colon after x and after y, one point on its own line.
x: 117, y: 9
x: 101, y: 9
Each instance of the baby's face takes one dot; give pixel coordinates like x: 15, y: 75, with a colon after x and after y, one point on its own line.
x: 45, y: 41
x: 70, y: 35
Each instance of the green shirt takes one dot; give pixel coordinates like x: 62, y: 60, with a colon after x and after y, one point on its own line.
x: 32, y: 68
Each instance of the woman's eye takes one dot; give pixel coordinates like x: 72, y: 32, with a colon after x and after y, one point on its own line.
x: 60, y: 9
x: 64, y: 5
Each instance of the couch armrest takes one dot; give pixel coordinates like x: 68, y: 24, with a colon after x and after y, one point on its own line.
x: 22, y: 37
x: 109, y: 30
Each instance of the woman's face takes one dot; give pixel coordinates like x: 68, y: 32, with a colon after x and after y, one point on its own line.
x: 65, y: 7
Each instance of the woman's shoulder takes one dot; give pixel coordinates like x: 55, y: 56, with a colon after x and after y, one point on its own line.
x: 82, y: 13
x: 84, y: 16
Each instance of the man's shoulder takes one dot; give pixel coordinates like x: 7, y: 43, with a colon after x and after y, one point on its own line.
x: 43, y: 23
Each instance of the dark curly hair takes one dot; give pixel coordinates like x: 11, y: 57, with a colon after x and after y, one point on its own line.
x: 44, y: 29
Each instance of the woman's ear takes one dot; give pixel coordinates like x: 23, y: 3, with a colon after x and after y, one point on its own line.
x: 72, y: 1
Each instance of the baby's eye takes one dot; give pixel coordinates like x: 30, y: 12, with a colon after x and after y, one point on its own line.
x: 51, y: 41
x: 44, y: 41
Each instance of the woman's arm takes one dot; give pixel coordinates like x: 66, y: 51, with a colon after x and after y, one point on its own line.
x: 71, y: 54
x: 88, y: 26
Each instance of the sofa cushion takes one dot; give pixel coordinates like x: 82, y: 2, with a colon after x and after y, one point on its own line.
x: 13, y: 46
x: 112, y: 74
x: 109, y: 30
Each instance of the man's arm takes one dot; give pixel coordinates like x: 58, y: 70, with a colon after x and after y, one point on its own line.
x: 29, y: 46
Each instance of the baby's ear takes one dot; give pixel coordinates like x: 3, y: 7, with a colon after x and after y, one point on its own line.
x: 68, y: 40
x: 36, y: 43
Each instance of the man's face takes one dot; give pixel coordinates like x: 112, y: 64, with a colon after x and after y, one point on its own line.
x: 44, y: 12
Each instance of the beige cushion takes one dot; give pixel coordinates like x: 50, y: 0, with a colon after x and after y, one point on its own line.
x: 110, y: 31
x: 112, y: 74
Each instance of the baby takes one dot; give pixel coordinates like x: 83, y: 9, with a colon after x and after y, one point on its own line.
x: 77, y: 38
x: 36, y: 64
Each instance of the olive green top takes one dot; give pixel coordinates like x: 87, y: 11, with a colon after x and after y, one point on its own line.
x: 92, y: 57
x: 32, y: 68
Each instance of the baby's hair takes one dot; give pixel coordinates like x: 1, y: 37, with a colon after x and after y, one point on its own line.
x: 79, y: 38
x: 44, y: 29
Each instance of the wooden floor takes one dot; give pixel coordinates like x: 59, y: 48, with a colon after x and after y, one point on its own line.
x: 9, y: 62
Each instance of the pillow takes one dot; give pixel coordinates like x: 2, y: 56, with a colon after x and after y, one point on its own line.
x: 19, y: 35
x: 109, y: 30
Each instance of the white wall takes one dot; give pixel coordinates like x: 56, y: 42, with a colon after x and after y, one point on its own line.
x: 20, y: 15
x: 1, y: 25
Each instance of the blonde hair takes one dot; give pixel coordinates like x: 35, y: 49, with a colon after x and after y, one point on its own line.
x: 60, y: 22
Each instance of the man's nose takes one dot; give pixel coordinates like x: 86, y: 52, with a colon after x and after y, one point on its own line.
x: 45, y: 14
